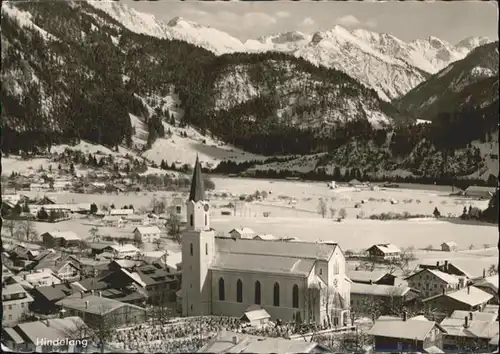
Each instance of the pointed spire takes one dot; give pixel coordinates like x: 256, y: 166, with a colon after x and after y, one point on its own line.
x: 197, y: 192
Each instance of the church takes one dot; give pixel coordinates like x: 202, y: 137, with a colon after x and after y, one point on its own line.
x: 225, y: 275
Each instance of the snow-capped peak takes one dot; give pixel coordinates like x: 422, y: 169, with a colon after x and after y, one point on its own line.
x: 470, y: 43
x: 181, y: 22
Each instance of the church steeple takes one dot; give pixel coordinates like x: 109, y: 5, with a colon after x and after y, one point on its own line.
x: 197, y: 192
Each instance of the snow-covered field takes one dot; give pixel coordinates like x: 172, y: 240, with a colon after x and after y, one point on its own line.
x: 293, y: 212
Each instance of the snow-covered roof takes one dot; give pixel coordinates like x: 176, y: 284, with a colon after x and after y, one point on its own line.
x: 121, y: 212
x: 148, y: 229
x: 387, y: 248
x: 243, y: 231
x: 124, y: 248
x: 66, y: 235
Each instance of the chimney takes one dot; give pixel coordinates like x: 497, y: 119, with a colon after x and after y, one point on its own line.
x: 81, y: 294
x: 444, y: 291
x: 437, y: 264
x: 466, y: 324
x: 235, y: 340
x: 468, y: 289
x: 86, y: 304
x: 100, y: 294
x: 405, y: 316
x: 470, y: 316
x: 371, y: 282
x: 484, y: 273
x: 445, y: 266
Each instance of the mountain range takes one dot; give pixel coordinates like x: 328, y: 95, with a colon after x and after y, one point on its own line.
x: 104, y: 73
x: 378, y: 60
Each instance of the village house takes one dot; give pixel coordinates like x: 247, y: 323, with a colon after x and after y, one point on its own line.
x: 15, y: 302
x: 446, y: 267
x: 56, y: 239
x: 371, y: 277
x: 121, y: 212
x: 147, y: 233
x: 384, y: 251
x: 113, y: 220
x: 25, y: 337
x: 480, y: 192
x: 137, y: 220
x: 46, y: 297
x: 488, y: 284
x: 255, y: 316
x: 469, y: 298
x: 469, y: 331
x: 265, y: 237
x: 95, y: 310
x: 431, y: 282
x: 449, y: 246
x: 224, y: 276
x: 242, y: 232
x: 394, y: 334
x: 365, y: 296
x: 42, y: 278
x: 62, y: 267
x: 124, y: 251
x: 234, y: 342
x: 90, y: 266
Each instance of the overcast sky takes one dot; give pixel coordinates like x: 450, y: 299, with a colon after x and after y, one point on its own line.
x: 451, y: 21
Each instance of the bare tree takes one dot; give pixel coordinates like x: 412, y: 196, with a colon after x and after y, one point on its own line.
x: 332, y: 212
x: 160, y: 310
x: 342, y: 213
x: 174, y: 227
x: 312, y: 298
x: 94, y: 233
x: 27, y: 229
x: 407, y: 255
x: 12, y: 226
x: 322, y: 207
x: 471, y: 246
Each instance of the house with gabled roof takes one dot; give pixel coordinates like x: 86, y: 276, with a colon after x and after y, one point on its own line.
x: 430, y: 282
x: 382, y: 295
x: 371, y: 277
x: 96, y: 310
x: 467, y: 330
x: 384, y: 251
x: 469, y: 298
x: 61, y: 239
x: 449, y: 246
x: 147, y: 233
x: 394, y: 334
x: 488, y: 284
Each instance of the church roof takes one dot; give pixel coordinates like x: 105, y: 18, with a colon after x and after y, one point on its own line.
x: 263, y: 264
x: 304, y: 250
x: 277, y: 257
x: 197, y: 192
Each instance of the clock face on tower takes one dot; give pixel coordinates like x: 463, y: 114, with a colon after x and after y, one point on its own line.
x: 206, y: 207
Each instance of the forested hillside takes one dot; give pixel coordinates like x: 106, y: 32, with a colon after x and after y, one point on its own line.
x: 76, y: 74
x: 71, y: 73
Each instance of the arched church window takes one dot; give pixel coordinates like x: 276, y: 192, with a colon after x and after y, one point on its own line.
x: 239, y: 291
x: 257, y: 292
x: 276, y: 293
x: 222, y: 293
x: 191, y: 248
x: 206, y: 249
x: 295, y: 297
x: 191, y: 220
x: 206, y: 219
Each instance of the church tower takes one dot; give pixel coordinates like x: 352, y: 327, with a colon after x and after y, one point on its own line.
x: 198, y: 247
